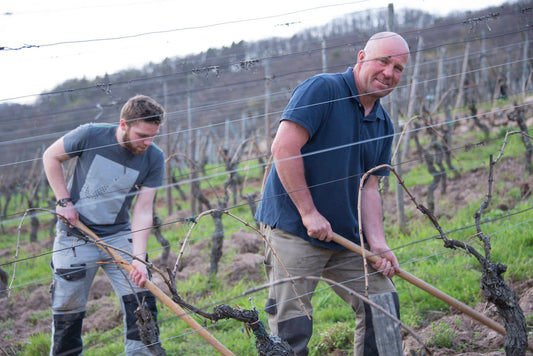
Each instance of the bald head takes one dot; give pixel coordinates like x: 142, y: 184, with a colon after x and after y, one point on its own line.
x: 391, y: 42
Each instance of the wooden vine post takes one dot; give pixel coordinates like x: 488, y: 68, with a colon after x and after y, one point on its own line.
x: 159, y: 294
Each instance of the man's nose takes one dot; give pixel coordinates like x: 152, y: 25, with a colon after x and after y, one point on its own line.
x: 388, y: 71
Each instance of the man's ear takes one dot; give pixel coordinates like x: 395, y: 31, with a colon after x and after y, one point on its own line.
x: 361, y: 55
x: 123, y: 124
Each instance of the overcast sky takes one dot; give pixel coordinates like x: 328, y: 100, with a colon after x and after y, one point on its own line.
x: 36, y: 58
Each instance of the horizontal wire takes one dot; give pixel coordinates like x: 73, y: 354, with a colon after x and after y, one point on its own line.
x: 149, y: 33
x: 182, y: 180
x: 196, y: 109
x: 212, y: 125
x: 239, y: 226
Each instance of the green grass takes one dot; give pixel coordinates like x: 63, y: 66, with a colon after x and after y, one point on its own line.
x: 337, y: 336
x: 29, y: 270
x: 463, y: 158
x: 38, y: 345
x: 454, y: 272
x: 442, y: 336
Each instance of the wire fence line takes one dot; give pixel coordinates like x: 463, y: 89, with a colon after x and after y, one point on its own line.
x: 208, y: 127
x: 176, y: 75
x: 220, y: 171
x: 185, y: 181
x: 184, y: 220
x: 238, y: 227
x: 42, y: 116
x: 226, y: 86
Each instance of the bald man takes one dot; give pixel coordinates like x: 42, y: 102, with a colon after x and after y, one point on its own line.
x: 332, y: 131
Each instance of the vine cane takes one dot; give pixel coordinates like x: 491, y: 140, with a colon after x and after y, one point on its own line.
x: 428, y: 288
x: 161, y: 296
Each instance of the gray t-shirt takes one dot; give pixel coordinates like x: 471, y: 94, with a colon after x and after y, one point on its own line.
x: 107, y: 177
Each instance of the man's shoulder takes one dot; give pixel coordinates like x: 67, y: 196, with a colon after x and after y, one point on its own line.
x: 327, y: 78
x: 323, y: 84
x: 155, y: 156
x: 100, y: 126
x: 95, y: 127
x: 87, y: 135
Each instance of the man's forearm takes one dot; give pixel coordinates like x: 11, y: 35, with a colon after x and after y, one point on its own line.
x: 371, y: 218
x: 140, y: 230
x: 141, y: 225
x: 141, y: 221
x: 291, y: 174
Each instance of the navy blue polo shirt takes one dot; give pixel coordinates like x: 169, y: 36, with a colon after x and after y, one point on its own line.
x: 343, y: 145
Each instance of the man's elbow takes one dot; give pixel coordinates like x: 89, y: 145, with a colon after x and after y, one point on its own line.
x: 276, y: 149
x: 282, y: 149
x: 49, y: 159
x: 47, y: 155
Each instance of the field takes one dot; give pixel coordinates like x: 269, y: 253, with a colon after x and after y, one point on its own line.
x: 25, y: 316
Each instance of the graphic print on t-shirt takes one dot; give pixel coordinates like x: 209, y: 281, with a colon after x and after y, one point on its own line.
x: 105, y: 190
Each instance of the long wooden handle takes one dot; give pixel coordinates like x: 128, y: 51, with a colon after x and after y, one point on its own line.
x: 428, y: 288
x: 165, y: 299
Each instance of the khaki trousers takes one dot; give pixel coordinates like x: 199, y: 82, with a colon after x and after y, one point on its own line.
x: 300, y: 258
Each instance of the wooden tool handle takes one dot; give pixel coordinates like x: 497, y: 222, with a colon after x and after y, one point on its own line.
x: 165, y: 299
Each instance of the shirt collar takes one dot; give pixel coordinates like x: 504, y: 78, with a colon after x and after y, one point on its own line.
x: 349, y: 79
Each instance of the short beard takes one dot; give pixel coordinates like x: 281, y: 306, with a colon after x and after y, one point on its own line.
x: 128, y: 144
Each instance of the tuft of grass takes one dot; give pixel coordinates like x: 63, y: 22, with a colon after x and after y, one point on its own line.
x: 442, y: 336
x: 338, y: 336
x: 38, y: 345
x: 529, y: 323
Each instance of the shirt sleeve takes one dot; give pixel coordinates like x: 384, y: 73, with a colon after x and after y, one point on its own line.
x: 77, y: 140
x: 309, y: 104
x: 156, y: 173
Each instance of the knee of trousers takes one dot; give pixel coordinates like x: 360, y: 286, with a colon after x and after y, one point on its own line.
x: 66, y: 334
x: 297, y: 332
x: 130, y: 305
x: 382, y: 334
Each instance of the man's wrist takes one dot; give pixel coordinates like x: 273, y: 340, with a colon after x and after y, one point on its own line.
x: 64, y: 202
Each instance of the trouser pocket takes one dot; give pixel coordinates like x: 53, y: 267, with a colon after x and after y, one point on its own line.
x: 75, y: 273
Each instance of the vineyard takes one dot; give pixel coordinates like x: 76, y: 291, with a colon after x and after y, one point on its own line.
x: 26, y: 315
x: 463, y: 150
